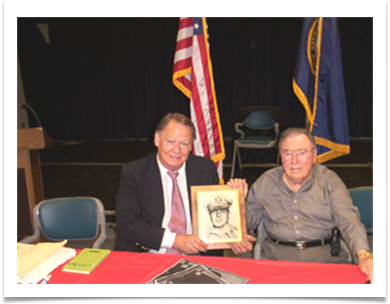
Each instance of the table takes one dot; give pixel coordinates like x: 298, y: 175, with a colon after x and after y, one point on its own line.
x: 138, y: 268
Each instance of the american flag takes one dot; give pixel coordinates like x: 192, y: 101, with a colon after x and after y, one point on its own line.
x: 193, y: 75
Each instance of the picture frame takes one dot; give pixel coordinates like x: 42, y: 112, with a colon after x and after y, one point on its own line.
x: 218, y: 215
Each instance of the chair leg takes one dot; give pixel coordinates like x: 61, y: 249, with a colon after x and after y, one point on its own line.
x: 239, y: 157
x: 234, y: 161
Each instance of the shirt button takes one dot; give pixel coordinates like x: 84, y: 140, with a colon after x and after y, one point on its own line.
x: 295, y: 201
x: 298, y: 231
x: 295, y: 217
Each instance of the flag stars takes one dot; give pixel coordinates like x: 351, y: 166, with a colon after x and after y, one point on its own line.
x: 196, y: 26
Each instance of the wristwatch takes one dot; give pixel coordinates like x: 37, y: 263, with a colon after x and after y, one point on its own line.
x: 365, y: 253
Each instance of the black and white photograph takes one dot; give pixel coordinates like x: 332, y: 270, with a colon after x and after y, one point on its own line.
x: 218, y: 218
x: 189, y: 272
x: 220, y: 222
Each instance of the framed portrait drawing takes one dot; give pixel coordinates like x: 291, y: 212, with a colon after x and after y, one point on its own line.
x: 218, y: 215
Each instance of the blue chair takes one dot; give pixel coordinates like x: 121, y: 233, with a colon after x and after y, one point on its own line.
x: 362, y: 197
x: 71, y: 218
x: 258, y: 120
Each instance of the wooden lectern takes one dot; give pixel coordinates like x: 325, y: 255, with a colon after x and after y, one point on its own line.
x: 30, y: 189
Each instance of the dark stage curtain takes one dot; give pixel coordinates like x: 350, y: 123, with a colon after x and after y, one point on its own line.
x: 111, y: 78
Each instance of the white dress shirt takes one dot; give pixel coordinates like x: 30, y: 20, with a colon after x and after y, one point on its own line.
x: 167, y: 183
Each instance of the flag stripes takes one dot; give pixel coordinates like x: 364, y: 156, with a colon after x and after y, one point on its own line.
x: 192, y: 74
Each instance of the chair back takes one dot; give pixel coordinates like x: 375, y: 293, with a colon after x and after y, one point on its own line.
x: 260, y: 131
x: 71, y: 218
x: 362, y: 197
x: 260, y: 119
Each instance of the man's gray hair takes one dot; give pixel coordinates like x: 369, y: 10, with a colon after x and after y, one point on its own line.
x: 178, y: 117
x: 296, y: 131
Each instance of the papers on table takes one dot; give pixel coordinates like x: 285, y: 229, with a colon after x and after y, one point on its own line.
x: 35, y: 262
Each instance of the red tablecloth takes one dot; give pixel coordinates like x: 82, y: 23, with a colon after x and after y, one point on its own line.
x: 139, y: 268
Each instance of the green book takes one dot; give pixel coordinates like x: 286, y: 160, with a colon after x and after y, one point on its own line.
x: 86, y: 261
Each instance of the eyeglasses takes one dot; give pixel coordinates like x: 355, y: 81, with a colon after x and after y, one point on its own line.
x: 301, y: 154
x: 183, y: 144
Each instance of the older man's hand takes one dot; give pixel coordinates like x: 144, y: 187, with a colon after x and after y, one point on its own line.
x: 366, y: 265
x: 238, y: 183
x: 241, y: 248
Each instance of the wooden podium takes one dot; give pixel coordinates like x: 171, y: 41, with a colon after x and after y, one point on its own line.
x: 30, y: 189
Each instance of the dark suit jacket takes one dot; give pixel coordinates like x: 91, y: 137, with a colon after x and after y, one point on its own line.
x: 140, y: 200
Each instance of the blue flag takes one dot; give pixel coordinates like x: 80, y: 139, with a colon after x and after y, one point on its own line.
x: 319, y: 85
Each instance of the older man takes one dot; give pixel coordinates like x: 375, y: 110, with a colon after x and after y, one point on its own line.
x: 153, y: 212
x: 302, y: 203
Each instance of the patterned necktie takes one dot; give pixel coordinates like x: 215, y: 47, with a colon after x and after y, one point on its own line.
x: 177, y: 223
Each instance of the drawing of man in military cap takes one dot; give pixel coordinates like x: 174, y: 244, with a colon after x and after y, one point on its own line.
x: 219, y: 210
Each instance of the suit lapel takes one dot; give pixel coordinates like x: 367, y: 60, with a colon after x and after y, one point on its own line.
x: 153, y: 192
x: 190, y: 175
x: 193, y: 177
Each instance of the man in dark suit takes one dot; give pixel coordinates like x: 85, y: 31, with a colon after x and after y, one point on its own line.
x: 143, y: 202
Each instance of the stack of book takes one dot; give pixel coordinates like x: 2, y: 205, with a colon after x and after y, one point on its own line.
x: 36, y: 262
